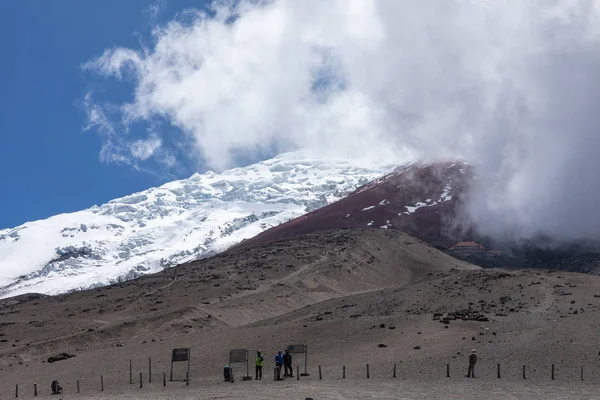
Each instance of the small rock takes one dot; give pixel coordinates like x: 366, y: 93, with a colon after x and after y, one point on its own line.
x: 60, y: 357
x: 381, y: 345
x: 417, y: 347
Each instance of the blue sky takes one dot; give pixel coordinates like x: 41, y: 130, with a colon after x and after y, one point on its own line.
x: 48, y: 164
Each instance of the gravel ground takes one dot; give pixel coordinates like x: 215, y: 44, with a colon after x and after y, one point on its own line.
x: 459, y: 389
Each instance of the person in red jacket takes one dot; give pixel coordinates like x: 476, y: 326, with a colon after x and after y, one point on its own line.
x: 472, y: 362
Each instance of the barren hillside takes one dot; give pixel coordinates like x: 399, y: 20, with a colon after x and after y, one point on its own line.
x: 354, y: 297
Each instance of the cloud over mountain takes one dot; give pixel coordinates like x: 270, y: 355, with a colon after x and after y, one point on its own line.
x: 511, y: 86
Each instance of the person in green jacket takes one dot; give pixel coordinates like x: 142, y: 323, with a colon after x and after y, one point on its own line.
x: 259, y: 365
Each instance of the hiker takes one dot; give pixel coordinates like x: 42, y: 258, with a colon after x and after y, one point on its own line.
x: 472, y: 362
x: 278, y: 364
x: 259, y: 364
x: 56, y: 388
x: 287, y: 362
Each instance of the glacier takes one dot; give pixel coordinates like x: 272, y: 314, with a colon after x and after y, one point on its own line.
x: 175, y: 223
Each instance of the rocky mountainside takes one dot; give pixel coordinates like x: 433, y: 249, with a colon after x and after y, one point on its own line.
x: 428, y: 201
x: 175, y: 223
x: 354, y: 297
x: 423, y: 200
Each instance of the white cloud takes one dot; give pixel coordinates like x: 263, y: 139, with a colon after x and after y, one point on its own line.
x: 144, y: 149
x: 156, y: 8
x: 96, y: 117
x: 511, y: 85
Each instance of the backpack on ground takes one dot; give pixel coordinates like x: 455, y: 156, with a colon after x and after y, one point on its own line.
x: 228, y: 374
x: 56, y: 388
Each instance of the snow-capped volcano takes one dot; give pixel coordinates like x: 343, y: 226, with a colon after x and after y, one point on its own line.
x: 177, y: 222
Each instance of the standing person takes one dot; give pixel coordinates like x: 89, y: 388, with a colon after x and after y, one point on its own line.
x: 259, y: 364
x: 472, y: 362
x: 278, y: 364
x: 287, y: 362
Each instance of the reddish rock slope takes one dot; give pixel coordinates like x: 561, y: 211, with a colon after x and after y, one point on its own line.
x: 420, y: 199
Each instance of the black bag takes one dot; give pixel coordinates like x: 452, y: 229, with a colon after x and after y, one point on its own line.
x: 56, y: 389
x: 227, y: 374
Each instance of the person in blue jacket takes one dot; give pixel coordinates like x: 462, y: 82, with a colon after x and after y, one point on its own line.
x: 279, y: 364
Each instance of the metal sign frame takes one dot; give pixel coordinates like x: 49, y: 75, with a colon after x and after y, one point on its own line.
x: 299, y: 349
x: 239, y: 356
x: 179, y: 355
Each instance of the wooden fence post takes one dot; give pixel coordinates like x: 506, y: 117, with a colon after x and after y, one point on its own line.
x: 35, y: 389
x: 141, y: 380
x: 17, y: 391
x: 77, y: 385
x: 320, y: 376
x: 164, y: 379
x: 130, y: 373
x: 344, y: 372
x: 447, y: 370
x: 498, y: 370
x: 187, y: 378
x: 524, y: 376
x: 149, y: 369
x: 552, y: 372
x: 394, y: 370
x: 101, y: 383
x: 368, y: 371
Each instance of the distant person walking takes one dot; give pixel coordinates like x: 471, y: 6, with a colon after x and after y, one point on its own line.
x: 259, y: 364
x: 472, y: 362
x: 278, y: 364
x: 287, y: 362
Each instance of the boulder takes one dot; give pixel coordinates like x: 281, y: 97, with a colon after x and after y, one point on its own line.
x: 60, y: 357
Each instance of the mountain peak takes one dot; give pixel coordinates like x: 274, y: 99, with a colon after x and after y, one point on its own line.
x: 177, y: 222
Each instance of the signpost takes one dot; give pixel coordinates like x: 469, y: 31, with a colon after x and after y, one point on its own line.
x: 240, y: 356
x: 299, y: 349
x: 178, y: 355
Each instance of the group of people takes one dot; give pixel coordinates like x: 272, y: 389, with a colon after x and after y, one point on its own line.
x: 282, y: 360
x: 285, y: 361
